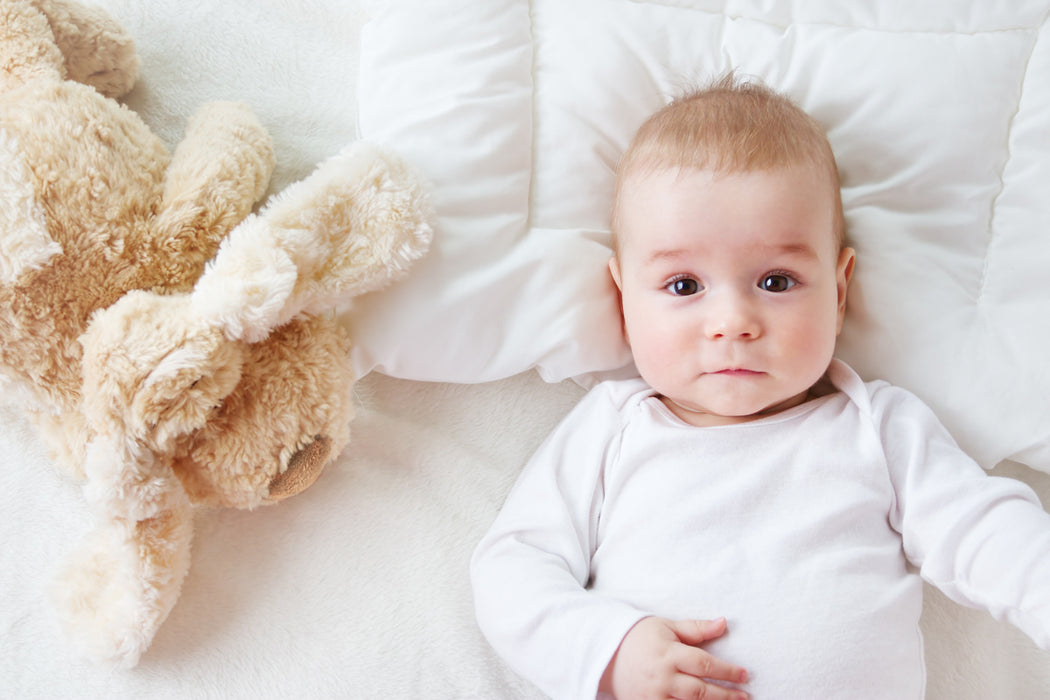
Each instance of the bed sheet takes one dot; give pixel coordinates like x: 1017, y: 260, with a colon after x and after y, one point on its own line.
x: 358, y: 588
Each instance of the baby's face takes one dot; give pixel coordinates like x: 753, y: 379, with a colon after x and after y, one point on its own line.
x: 733, y: 287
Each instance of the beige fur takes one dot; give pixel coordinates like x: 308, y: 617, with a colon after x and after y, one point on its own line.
x: 177, y: 348
x: 24, y: 241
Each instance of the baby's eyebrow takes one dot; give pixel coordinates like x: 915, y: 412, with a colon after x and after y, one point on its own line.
x: 800, y: 249
x: 666, y: 254
x: 791, y: 249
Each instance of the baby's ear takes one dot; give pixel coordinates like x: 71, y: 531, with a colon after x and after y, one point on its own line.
x: 843, y: 275
x: 614, y: 270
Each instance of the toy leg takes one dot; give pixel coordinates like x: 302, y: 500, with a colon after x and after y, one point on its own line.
x: 218, y: 172
x: 97, y: 50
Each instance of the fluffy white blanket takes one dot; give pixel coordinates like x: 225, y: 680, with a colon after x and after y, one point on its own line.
x: 357, y: 588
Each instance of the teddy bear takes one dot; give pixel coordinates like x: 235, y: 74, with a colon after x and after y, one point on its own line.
x: 173, y: 345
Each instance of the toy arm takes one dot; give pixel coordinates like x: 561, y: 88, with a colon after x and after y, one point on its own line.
x: 218, y: 172
x: 354, y: 225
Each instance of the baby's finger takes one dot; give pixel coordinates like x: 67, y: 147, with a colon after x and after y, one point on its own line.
x: 696, y: 632
x: 691, y: 688
x: 700, y: 664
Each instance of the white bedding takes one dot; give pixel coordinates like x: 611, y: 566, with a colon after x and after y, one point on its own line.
x: 939, y: 112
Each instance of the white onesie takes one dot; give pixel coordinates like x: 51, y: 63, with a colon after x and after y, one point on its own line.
x: 795, y: 528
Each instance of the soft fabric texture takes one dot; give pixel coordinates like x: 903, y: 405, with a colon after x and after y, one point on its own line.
x: 792, y: 527
x: 937, y: 113
x: 172, y: 346
x: 359, y: 586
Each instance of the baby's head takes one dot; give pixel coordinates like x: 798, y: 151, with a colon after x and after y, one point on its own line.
x: 731, y: 126
x: 730, y: 254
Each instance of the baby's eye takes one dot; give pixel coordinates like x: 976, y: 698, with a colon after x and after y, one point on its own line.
x: 776, y: 282
x: 683, y: 287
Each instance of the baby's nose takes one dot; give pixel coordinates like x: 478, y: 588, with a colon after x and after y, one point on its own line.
x: 733, y: 318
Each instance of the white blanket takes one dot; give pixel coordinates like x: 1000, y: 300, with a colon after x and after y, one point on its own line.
x: 358, y: 587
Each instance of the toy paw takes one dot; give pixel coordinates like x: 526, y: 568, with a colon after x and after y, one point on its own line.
x: 357, y: 223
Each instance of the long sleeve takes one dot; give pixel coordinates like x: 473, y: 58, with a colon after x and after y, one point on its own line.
x: 982, y: 540
x: 530, y: 572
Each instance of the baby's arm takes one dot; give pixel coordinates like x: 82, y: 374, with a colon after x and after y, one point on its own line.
x: 982, y: 540
x: 530, y: 571
x: 660, y: 658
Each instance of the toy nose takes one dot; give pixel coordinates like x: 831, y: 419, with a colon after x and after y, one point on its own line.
x: 303, y: 469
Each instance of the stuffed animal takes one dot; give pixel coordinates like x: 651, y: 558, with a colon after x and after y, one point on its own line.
x: 173, y: 347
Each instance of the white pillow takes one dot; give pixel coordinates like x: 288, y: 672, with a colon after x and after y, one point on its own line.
x: 449, y: 86
x: 518, y: 112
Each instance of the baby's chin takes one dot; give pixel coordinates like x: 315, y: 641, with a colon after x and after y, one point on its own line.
x: 729, y: 413
x: 704, y: 417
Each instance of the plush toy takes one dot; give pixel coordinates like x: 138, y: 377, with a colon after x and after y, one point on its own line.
x: 174, y: 347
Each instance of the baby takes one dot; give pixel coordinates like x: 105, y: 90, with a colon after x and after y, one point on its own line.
x: 749, y: 502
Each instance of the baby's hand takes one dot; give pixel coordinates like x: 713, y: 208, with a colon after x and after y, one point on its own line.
x: 660, y: 658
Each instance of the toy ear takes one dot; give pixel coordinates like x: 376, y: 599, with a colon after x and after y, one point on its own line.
x: 119, y: 586
x: 153, y: 372
x: 177, y: 397
x: 25, y: 243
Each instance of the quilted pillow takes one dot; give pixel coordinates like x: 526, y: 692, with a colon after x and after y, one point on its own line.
x: 939, y: 113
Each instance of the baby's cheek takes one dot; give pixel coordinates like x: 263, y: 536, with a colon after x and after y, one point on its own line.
x: 657, y: 363
x: 817, y: 343
x: 659, y: 345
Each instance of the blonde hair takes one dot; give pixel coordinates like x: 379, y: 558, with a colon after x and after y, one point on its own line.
x: 731, y: 126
